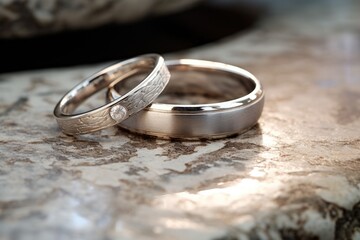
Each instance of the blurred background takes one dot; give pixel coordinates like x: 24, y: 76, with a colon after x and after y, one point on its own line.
x: 37, y: 34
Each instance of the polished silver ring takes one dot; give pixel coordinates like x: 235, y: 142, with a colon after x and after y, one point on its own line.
x: 118, y: 110
x: 213, y: 120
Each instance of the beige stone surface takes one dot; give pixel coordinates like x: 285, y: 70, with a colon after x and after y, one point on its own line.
x: 296, y: 175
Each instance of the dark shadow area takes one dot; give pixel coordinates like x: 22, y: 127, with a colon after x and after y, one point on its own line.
x: 202, y: 24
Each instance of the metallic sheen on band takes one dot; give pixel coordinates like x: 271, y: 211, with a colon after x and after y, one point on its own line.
x: 214, y: 120
x: 115, y: 111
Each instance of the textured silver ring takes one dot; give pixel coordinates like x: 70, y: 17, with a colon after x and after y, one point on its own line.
x: 213, y: 120
x: 118, y: 110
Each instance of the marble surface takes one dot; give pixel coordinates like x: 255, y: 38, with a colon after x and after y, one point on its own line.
x: 296, y: 175
x: 34, y: 17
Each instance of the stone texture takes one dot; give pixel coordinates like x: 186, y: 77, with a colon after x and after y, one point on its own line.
x: 33, y: 17
x: 294, y: 176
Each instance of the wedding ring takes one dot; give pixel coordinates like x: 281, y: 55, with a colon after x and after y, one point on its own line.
x: 118, y: 110
x: 197, y: 121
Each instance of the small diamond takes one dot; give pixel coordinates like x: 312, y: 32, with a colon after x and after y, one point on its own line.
x: 118, y: 113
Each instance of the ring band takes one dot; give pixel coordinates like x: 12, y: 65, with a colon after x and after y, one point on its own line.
x: 115, y: 111
x: 214, y: 120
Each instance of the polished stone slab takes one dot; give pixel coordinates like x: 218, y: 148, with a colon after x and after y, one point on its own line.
x: 38, y: 17
x: 293, y: 176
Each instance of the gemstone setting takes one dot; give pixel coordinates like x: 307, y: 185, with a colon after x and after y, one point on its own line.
x: 118, y: 113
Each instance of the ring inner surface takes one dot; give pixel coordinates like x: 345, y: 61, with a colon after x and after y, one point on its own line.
x: 91, y: 96
x: 196, y: 86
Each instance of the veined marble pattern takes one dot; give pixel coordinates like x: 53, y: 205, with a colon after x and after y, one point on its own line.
x: 296, y: 175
